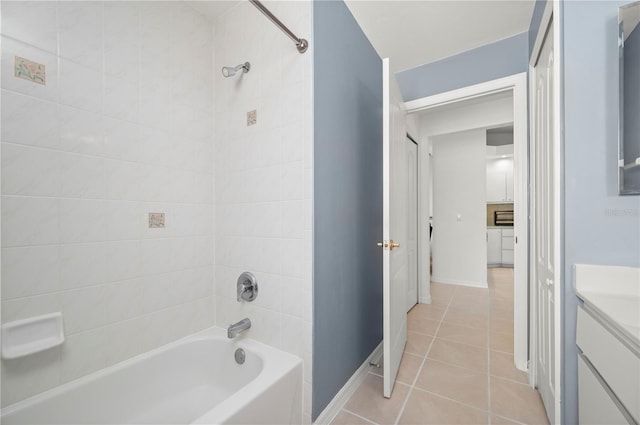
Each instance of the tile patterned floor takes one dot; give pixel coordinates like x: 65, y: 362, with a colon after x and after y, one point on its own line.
x: 457, y: 366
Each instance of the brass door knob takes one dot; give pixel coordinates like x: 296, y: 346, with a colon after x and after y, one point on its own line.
x: 392, y: 245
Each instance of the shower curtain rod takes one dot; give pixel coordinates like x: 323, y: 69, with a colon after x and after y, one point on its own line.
x: 301, y: 43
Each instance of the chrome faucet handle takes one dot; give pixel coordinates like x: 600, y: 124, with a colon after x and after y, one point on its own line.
x: 247, y: 287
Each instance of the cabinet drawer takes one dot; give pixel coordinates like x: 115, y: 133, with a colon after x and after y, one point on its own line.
x: 614, y: 361
x: 595, y: 404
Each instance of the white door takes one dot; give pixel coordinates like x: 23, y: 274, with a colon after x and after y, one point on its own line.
x: 543, y: 148
x: 412, y: 222
x: 394, y: 227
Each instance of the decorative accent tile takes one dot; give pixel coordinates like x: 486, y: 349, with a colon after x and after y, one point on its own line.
x: 252, y: 117
x: 30, y: 71
x: 156, y: 220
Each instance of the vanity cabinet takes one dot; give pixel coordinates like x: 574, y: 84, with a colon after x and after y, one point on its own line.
x: 608, y: 373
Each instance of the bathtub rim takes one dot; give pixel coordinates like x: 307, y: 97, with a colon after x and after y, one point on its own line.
x: 275, y: 364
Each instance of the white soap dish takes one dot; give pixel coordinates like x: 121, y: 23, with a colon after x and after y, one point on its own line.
x: 29, y: 336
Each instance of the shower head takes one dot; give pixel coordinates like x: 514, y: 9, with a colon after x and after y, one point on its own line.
x: 228, y: 71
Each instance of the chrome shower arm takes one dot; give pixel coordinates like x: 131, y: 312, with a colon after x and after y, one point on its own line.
x: 301, y: 43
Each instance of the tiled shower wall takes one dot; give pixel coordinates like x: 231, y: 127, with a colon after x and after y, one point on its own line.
x: 264, y: 175
x: 123, y: 127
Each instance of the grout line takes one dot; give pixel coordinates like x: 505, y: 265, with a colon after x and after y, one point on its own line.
x: 424, y: 359
x: 358, y: 416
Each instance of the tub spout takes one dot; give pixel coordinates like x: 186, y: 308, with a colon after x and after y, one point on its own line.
x: 235, y: 329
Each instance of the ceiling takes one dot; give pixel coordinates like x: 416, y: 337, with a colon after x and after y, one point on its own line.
x: 416, y: 32
x: 413, y: 33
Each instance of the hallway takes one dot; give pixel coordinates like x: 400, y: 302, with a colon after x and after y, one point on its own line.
x: 457, y: 366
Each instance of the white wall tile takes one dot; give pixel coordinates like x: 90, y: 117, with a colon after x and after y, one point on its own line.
x: 82, y: 176
x: 24, y: 308
x: 33, y: 22
x: 121, y: 98
x: 124, y: 220
x: 30, y: 171
x: 123, y: 260
x: 29, y: 120
x: 122, y: 139
x: 80, y: 86
x: 80, y: 131
x: 80, y: 32
x: 82, y: 354
x: 121, y: 128
x: 122, y: 180
x: 12, y: 48
x: 29, y: 221
x: 30, y: 271
x: 84, y: 309
x: 82, y: 265
x: 82, y: 221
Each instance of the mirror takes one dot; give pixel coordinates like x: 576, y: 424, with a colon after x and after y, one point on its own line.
x: 629, y: 111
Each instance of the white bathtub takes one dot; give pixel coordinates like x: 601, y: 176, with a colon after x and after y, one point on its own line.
x: 192, y: 381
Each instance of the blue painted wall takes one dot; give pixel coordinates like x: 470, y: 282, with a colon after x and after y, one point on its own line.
x: 632, y: 107
x: 347, y: 279
x: 489, y: 62
x: 600, y: 226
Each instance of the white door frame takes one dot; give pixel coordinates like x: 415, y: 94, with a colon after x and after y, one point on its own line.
x: 518, y: 85
x: 551, y: 11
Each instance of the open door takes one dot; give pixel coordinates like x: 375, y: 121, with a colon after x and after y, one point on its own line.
x: 394, y: 228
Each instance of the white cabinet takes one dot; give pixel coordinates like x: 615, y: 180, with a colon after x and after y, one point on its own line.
x: 500, y: 180
x: 507, y: 247
x: 494, y: 246
x: 500, y: 247
x: 509, y: 183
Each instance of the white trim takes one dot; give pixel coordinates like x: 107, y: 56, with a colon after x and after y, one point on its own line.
x: 342, y: 397
x: 436, y: 279
x: 465, y: 93
x: 552, y: 14
x: 518, y: 85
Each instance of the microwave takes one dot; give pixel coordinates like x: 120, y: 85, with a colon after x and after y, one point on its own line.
x: 503, y: 218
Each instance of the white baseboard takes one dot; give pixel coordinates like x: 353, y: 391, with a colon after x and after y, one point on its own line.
x: 482, y: 284
x: 333, y: 408
x: 425, y: 300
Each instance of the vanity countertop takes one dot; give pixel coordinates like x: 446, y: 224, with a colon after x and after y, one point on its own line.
x: 613, y: 292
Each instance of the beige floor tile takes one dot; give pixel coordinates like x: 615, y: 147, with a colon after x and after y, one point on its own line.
x: 346, y: 418
x: 516, y: 401
x: 409, y: 366
x: 470, y: 303
x: 465, y: 318
x: 425, y: 408
x: 498, y: 420
x: 502, y: 325
x: 417, y: 344
x: 460, y: 384
x: 463, y: 334
x: 501, y: 342
x: 501, y: 300
x: 462, y: 355
x: 427, y: 311
x: 470, y: 291
x: 441, y: 294
x: 501, y: 312
x: 423, y: 326
x: 502, y: 365
x: 369, y: 402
